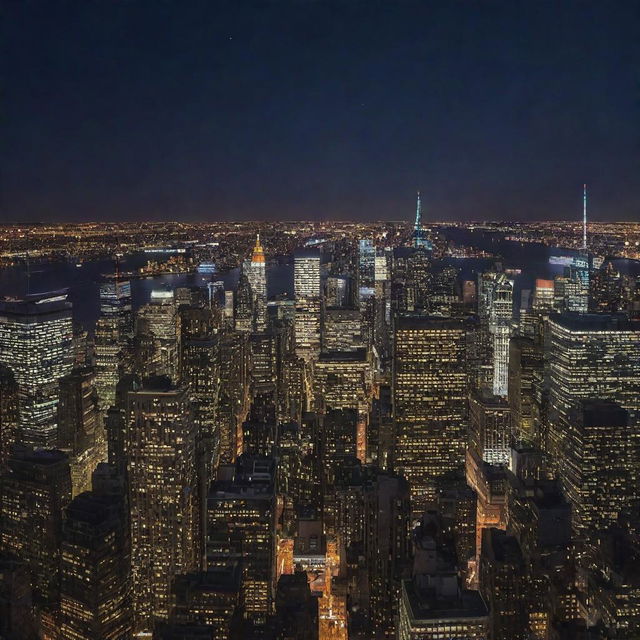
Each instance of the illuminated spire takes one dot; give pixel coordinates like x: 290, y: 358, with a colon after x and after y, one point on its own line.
x: 418, y: 225
x: 258, y: 251
x: 584, y: 217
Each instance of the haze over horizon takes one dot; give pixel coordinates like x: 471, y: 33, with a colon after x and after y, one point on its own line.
x: 206, y: 111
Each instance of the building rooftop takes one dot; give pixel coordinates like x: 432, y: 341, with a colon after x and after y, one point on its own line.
x: 575, y: 321
x: 427, y: 605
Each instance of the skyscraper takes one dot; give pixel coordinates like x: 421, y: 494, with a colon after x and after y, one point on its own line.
x: 9, y: 414
x: 255, y: 270
x: 160, y: 322
x: 241, y: 527
x: 95, y: 570
x: 500, y: 316
x: 306, y: 284
x: 113, y: 327
x: 161, y: 442
x: 590, y: 356
x: 36, y: 337
x: 34, y: 493
x: 429, y: 401
x: 419, y: 236
x: 598, y: 463
x: 80, y: 432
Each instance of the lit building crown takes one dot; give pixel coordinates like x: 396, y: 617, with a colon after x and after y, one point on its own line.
x: 258, y: 251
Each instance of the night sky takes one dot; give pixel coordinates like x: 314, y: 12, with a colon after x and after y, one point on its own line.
x: 185, y: 110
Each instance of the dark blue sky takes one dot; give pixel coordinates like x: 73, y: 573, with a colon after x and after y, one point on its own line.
x: 187, y: 110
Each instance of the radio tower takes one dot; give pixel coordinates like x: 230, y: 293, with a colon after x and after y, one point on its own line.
x: 584, y: 218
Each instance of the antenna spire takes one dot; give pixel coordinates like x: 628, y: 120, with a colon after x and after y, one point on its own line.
x: 584, y: 217
x: 418, y: 223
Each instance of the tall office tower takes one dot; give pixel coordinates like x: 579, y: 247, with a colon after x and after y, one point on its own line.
x: 228, y: 309
x: 199, y: 373
x: 590, y: 356
x: 444, y: 298
x: 410, y: 280
x: 504, y: 583
x: 116, y: 420
x: 9, y: 414
x: 263, y: 361
x: 163, y: 490
x: 257, y: 276
x: 199, y: 368
x: 342, y: 329
x: 344, y: 380
x: 543, y: 296
x: 260, y: 430
x: 433, y: 603
x: 241, y: 527
x: 387, y: 549
x: 36, y: 337
x: 95, y: 569
x: 470, y: 294
x: 598, y: 464
x: 35, y: 491
x: 209, y: 601
x: 606, y: 290
x: 382, y: 306
x: 500, y: 317
x: 429, y: 353
x: 570, y: 294
x: 491, y: 432
x: 366, y: 262
x: 339, y: 430
x: 234, y: 397
x: 161, y: 322
x: 419, y: 236
x: 113, y: 328
x: 80, y: 432
x: 293, y: 386
x: 244, y: 305
x: 539, y: 517
x: 338, y: 291
x: 458, y: 506
x: 306, y: 285
x: 614, y: 583
x: 525, y: 361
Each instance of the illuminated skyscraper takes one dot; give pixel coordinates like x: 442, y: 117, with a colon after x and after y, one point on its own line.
x: 500, y: 316
x: 160, y: 323
x: 163, y: 490
x: 255, y: 270
x: 419, y: 237
x: 80, y: 432
x: 33, y: 495
x: 366, y: 263
x: 241, y: 527
x: 36, y: 338
x: 342, y: 329
x: 9, y: 414
x: 491, y: 432
x: 306, y: 284
x: 590, y: 356
x: 244, y: 303
x: 525, y: 361
x: 429, y: 401
x: 95, y: 570
x: 598, y: 463
x: 113, y: 327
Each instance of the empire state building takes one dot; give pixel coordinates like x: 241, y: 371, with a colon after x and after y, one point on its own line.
x: 257, y: 276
